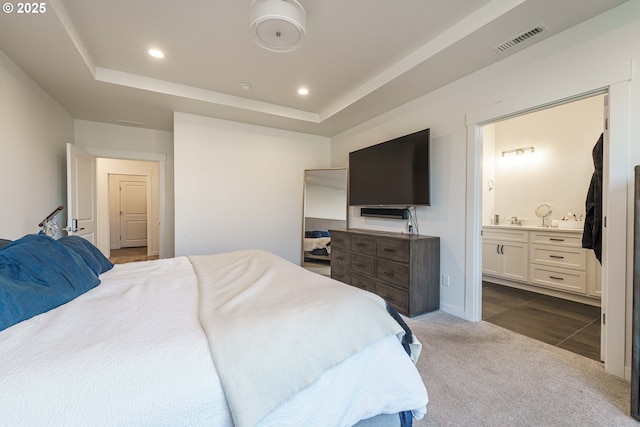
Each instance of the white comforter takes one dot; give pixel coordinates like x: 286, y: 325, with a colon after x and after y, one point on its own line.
x: 132, y: 352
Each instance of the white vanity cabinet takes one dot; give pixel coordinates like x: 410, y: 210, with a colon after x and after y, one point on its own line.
x: 550, y: 261
x: 505, y: 254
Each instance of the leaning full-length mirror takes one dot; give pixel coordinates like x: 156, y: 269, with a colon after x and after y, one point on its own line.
x: 325, y: 208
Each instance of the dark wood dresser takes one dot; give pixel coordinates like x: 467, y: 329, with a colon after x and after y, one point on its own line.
x: 404, y: 269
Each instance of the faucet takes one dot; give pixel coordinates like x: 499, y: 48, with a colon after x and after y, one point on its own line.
x: 514, y: 220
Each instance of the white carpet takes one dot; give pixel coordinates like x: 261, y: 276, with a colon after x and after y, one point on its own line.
x: 478, y: 374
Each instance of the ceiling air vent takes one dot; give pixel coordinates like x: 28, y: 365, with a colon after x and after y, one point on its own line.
x: 503, y: 47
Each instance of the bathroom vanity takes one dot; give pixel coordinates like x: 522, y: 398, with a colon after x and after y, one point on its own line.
x: 546, y: 260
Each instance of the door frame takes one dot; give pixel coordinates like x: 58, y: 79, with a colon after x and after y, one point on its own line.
x: 161, y: 159
x: 614, y: 80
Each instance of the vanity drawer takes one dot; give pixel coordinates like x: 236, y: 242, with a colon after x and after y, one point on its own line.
x: 362, y: 282
x: 559, y: 256
x: 341, y: 274
x: 559, y: 278
x: 365, y: 245
x: 393, y: 272
x: 398, y: 298
x: 573, y: 240
x: 397, y: 250
x: 505, y: 235
x: 340, y: 240
x: 340, y: 258
x: 363, y: 264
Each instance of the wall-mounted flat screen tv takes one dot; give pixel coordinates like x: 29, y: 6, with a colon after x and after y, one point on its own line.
x: 393, y: 173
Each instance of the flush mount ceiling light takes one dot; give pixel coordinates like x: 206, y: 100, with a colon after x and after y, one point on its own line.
x: 278, y: 25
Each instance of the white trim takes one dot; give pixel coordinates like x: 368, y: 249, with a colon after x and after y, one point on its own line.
x: 473, y: 248
x: 613, y: 78
x: 578, y: 87
x: 615, y: 235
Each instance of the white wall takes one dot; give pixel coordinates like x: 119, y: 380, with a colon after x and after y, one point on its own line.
x: 126, y: 142
x: 240, y: 186
x: 35, y: 129
x: 608, y: 39
x: 558, y: 173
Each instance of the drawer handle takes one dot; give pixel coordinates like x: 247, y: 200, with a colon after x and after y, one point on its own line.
x: 556, y: 278
x: 390, y: 297
x: 556, y: 256
x: 389, y: 250
x: 359, y: 264
x: 390, y: 274
x: 555, y: 239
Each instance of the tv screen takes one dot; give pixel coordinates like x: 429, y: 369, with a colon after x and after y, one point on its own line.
x: 393, y: 173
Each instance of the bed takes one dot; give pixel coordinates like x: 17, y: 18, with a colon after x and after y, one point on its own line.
x: 317, y: 238
x: 237, y: 339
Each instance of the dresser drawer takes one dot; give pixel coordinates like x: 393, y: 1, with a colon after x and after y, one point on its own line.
x: 365, y: 245
x: 398, y: 298
x: 559, y: 278
x: 559, y: 256
x: 341, y: 274
x: 363, y: 264
x: 393, y: 272
x: 362, y: 282
x: 340, y: 258
x: 573, y: 240
x: 396, y: 250
x: 340, y: 240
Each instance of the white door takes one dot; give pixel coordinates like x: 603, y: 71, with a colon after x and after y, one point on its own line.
x: 81, y: 193
x: 133, y: 214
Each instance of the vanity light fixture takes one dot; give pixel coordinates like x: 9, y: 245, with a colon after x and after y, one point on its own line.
x: 519, y: 151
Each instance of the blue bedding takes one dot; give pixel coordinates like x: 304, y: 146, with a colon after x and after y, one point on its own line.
x: 38, y: 273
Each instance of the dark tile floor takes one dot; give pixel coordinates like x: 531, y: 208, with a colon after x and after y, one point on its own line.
x: 566, y: 324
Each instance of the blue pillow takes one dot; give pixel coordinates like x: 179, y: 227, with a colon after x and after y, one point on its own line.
x: 313, y: 234
x: 4, y: 242
x: 89, y: 253
x: 37, y: 274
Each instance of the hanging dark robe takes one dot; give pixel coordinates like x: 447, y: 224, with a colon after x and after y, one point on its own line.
x: 592, y: 234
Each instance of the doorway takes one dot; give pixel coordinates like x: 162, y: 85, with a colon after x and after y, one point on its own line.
x: 128, y: 211
x: 141, y: 229
x: 549, y: 288
x: 615, y: 80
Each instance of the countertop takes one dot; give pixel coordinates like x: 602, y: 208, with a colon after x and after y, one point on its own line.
x: 533, y: 228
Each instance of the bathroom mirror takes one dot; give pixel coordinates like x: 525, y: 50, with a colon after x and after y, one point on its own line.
x: 543, y: 212
x: 325, y: 208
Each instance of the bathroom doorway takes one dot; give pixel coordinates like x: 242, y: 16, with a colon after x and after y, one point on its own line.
x: 550, y: 288
x: 615, y: 81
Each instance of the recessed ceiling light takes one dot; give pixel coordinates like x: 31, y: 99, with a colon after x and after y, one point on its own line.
x: 303, y: 91
x: 156, y: 53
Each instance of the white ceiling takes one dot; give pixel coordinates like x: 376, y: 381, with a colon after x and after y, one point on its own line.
x: 359, y: 58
